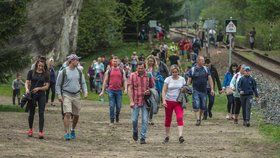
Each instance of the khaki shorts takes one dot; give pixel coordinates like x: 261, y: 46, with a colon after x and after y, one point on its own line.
x: 71, y: 104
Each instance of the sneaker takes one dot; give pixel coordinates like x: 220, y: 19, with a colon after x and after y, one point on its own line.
x: 135, y: 136
x: 248, y: 124
x: 198, y: 122
x: 181, y: 140
x: 244, y: 123
x: 41, y: 135
x: 151, y: 122
x: 67, y: 136
x: 210, y: 114
x: 117, y: 118
x: 204, y: 117
x: 30, y: 132
x: 166, y: 140
x: 228, y: 117
x: 72, y: 134
x: 235, y: 121
x: 142, y: 141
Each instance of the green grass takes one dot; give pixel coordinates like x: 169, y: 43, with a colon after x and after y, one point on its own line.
x: 6, y: 90
x: 10, y: 108
x: 271, y: 131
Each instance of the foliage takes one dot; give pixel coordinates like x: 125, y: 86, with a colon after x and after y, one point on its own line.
x: 272, y: 131
x: 10, y: 108
x: 100, y: 25
x: 136, y: 12
x: 12, y: 17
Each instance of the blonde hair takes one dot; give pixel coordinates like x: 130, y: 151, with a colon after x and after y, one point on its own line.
x: 153, y: 58
x: 172, y: 67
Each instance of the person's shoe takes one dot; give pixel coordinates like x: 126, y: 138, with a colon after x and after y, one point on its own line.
x: 73, y: 134
x: 166, y: 140
x: 181, y: 140
x: 135, y: 136
x: 247, y: 124
x: 151, y: 122
x: 112, y: 121
x: 142, y: 141
x: 228, y: 117
x: 67, y: 136
x: 41, y: 135
x: 117, y: 119
x: 30, y: 132
x: 244, y: 123
x: 210, y: 114
x: 235, y: 121
x: 204, y: 117
x: 198, y: 122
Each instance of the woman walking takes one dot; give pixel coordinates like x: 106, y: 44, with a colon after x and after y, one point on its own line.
x: 36, y: 84
x: 170, y: 93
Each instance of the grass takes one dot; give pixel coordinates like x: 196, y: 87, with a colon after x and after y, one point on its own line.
x: 271, y: 131
x: 10, y: 108
x: 6, y: 90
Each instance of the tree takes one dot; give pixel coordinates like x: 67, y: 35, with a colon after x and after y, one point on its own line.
x: 137, y: 13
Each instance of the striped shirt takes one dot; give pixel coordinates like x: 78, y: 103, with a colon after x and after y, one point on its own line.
x: 139, y: 85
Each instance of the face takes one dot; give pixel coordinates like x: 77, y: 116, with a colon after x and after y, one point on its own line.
x: 75, y: 62
x: 115, y: 62
x: 151, y: 62
x: 200, y: 61
x: 40, y: 66
x: 19, y: 77
x: 247, y: 73
x: 141, y: 69
x: 234, y: 68
x: 175, y: 72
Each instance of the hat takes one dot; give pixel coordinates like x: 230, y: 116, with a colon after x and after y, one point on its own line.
x: 247, y: 68
x: 72, y: 57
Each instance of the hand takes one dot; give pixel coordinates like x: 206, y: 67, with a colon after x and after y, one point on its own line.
x: 164, y: 104
x: 85, y: 95
x: 132, y: 105
x: 241, y: 92
x: 27, y: 91
x: 147, y: 92
x: 35, y: 90
x: 212, y: 92
x: 125, y: 91
x: 221, y: 91
x: 60, y: 99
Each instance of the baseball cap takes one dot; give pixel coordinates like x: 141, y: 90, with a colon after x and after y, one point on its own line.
x: 247, y: 68
x: 72, y: 57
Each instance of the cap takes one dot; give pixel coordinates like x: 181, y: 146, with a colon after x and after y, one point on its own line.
x: 72, y: 57
x: 247, y: 68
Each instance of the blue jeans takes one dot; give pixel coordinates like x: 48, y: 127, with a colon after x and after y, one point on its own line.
x: 115, y: 102
x: 199, y: 100
x: 135, y: 115
x: 211, y: 100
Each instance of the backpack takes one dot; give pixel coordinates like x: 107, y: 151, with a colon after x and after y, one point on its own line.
x: 109, y: 74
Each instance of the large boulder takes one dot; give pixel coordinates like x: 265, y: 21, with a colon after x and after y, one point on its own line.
x: 51, y: 28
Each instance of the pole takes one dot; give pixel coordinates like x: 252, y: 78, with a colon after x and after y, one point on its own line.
x: 230, y: 49
x: 270, y: 37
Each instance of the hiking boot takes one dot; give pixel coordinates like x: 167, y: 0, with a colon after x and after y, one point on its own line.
x: 112, y: 121
x: 67, y: 136
x: 30, y: 132
x: 142, y: 141
x: 210, y: 114
x: 135, y: 136
x: 181, y: 140
x: 198, y: 122
x: 41, y: 135
x: 72, y: 134
x: 166, y: 140
x: 247, y: 124
x: 235, y: 121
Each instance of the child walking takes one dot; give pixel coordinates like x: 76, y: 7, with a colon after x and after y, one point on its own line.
x: 16, y: 85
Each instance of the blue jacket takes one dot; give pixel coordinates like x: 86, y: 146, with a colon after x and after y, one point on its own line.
x: 248, y: 85
x: 227, y: 79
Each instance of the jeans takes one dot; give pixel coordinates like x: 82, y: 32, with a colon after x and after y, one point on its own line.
x: 115, y: 102
x: 199, y: 100
x: 135, y: 115
x: 211, y: 100
x: 246, y: 103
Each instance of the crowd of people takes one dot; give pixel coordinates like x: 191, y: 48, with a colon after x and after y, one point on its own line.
x: 148, y: 81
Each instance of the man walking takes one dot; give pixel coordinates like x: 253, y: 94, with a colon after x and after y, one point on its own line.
x: 69, y: 83
x: 199, y: 75
x: 139, y: 84
x: 115, y: 80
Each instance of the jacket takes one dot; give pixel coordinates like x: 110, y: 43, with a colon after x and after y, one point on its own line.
x: 153, y: 100
x: 227, y: 79
x: 248, y: 85
x: 215, y: 77
x: 182, y: 97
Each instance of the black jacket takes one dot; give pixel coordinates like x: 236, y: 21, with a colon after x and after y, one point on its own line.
x: 215, y: 76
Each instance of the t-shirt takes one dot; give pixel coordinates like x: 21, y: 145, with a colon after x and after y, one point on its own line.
x: 173, y: 87
x: 38, y: 79
x: 199, y: 78
x: 174, y: 59
x: 116, y: 78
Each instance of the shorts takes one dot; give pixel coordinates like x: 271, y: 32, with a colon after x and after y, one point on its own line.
x: 199, y: 100
x: 72, y: 104
x: 183, y: 52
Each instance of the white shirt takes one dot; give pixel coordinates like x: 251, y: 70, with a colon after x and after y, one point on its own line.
x: 173, y: 87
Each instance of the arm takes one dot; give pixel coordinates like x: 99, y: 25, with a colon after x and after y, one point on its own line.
x: 189, y: 81
x: 13, y: 85
x: 233, y: 82
x: 59, y: 84
x: 84, y: 86
x: 130, y: 94
x: 125, y: 82
x: 239, y: 85
x: 217, y: 79
x: 225, y: 81
x: 255, y: 88
x: 211, y: 84
x: 164, y: 90
x: 22, y: 83
x: 104, y: 83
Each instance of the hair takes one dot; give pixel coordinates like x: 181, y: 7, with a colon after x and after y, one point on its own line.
x: 153, y: 58
x: 41, y: 60
x: 172, y: 67
x: 233, y: 65
x: 140, y: 63
x: 207, y: 61
x: 115, y: 57
x: 18, y: 74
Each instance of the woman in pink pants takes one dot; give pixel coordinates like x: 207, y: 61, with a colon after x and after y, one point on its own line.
x: 170, y: 92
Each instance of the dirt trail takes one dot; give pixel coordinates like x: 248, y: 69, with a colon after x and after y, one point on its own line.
x: 216, y: 137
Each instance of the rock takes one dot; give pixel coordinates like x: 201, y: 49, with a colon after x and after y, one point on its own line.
x: 50, y: 24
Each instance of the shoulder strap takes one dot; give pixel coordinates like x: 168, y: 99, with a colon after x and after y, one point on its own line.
x: 81, y: 75
x: 206, y: 70
x: 63, y: 77
x: 192, y: 70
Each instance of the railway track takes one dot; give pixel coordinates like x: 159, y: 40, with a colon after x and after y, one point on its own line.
x: 255, y: 59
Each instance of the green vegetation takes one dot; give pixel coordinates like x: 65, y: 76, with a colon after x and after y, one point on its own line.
x: 10, y: 108
x: 271, y: 131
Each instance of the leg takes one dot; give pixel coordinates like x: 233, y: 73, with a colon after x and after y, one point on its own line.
x: 31, y: 115
x: 14, y: 97
x: 135, y: 115
x: 53, y: 92
x: 118, y: 104
x: 76, y: 107
x: 47, y: 94
x: 168, y: 117
x: 75, y: 121
x: 237, y: 106
x: 112, y: 104
x: 180, y: 118
x: 202, y: 98
x: 41, y: 105
x: 210, y: 104
x: 243, y: 105
x: 66, y: 121
x: 18, y: 96
x: 248, y: 107
x: 196, y: 102
x: 144, y: 121
x: 67, y: 109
